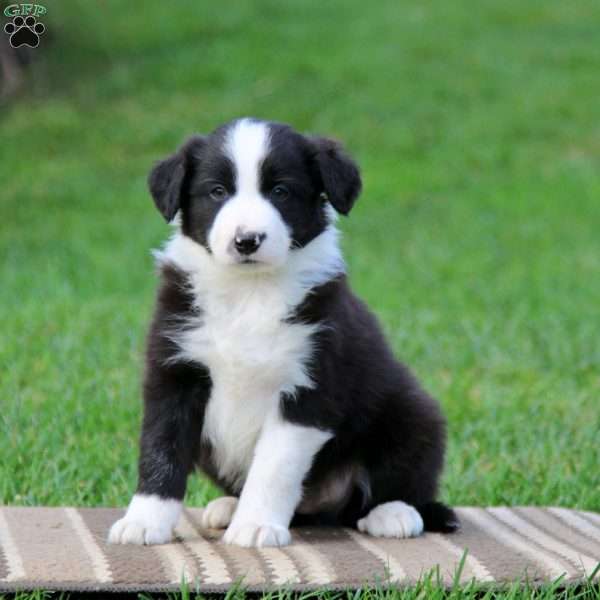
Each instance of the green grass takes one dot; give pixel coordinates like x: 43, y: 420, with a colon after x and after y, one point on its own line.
x: 476, y: 239
x: 428, y: 588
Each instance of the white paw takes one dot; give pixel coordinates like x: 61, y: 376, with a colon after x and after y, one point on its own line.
x: 149, y: 520
x: 257, y: 535
x: 393, y: 520
x: 130, y: 531
x: 218, y: 513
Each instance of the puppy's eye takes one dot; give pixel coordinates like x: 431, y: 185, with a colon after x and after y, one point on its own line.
x: 218, y: 193
x: 279, y: 192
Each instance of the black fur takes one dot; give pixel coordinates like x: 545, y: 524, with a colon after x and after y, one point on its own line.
x: 314, y: 170
x: 340, y: 175
x: 175, y: 395
x: 381, y: 417
x: 168, y: 179
x: 292, y: 162
x: 389, y: 435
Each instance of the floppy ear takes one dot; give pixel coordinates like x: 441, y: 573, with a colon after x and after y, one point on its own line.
x: 167, y: 178
x: 339, y: 174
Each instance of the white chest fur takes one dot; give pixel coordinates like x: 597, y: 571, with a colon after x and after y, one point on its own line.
x: 242, y: 336
x: 253, y: 356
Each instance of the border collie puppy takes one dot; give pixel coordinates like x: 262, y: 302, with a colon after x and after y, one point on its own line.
x: 263, y: 368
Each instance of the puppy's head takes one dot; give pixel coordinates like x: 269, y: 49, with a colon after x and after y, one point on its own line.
x: 252, y: 191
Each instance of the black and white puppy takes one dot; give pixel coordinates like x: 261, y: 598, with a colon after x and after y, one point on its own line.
x: 263, y: 368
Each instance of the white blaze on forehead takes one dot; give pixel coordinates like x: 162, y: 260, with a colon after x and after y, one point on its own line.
x: 247, y: 144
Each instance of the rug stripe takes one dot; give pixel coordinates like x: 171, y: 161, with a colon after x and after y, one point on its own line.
x: 313, y: 564
x: 553, y: 525
x: 593, y: 517
x: 50, y: 547
x: 489, y: 551
x: 244, y: 565
x: 421, y: 556
x: 531, y: 534
x: 376, y: 546
x: 4, y: 570
x: 177, y: 563
x: 576, y: 521
x: 478, y: 569
x: 544, y: 562
x: 129, y: 563
x: 14, y: 564
x: 545, y: 540
x: 349, y: 562
x: 95, y: 554
x: 213, y: 567
x: 282, y: 567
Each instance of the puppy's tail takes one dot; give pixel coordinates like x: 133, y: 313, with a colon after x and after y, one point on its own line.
x: 438, y: 517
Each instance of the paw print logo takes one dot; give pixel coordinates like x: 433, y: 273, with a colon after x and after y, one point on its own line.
x: 24, y: 32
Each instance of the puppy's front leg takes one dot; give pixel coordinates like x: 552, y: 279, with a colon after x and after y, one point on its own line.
x: 169, y: 442
x: 273, y: 489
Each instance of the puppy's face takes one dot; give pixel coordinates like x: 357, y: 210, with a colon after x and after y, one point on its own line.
x: 252, y: 191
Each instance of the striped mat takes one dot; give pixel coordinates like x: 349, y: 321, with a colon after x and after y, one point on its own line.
x: 66, y: 549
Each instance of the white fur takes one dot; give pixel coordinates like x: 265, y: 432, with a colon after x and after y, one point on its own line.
x: 247, y: 144
x: 218, y: 513
x: 241, y: 335
x: 392, y: 520
x: 273, y: 489
x: 149, y: 520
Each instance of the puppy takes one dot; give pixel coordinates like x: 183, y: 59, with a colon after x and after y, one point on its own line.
x: 263, y: 369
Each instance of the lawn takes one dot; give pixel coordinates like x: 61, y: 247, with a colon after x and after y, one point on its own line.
x: 476, y: 240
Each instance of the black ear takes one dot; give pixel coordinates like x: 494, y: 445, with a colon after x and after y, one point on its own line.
x: 339, y: 174
x: 167, y: 178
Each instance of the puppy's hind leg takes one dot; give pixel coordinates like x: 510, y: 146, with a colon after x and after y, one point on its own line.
x: 219, y: 513
x: 405, y: 472
x: 392, y: 519
x: 400, y: 520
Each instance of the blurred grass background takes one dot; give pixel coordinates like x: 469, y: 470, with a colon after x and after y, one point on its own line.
x: 476, y: 240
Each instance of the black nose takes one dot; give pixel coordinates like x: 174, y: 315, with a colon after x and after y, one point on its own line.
x: 249, y: 242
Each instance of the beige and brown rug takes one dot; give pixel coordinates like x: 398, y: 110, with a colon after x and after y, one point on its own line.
x: 66, y: 549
